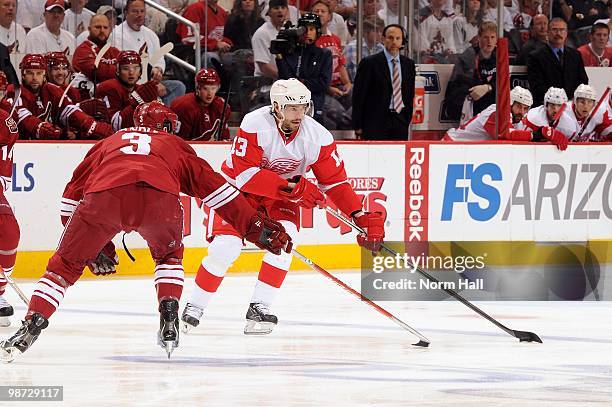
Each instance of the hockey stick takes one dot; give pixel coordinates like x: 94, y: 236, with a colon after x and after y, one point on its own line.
x: 423, y: 341
x: 15, y: 287
x: 523, y: 336
x: 163, y: 50
x: 101, y: 53
x: 220, y: 129
x: 16, y: 96
x: 578, y: 135
x: 557, y: 117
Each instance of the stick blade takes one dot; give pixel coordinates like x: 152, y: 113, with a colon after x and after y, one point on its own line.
x: 524, y: 336
x: 421, y: 343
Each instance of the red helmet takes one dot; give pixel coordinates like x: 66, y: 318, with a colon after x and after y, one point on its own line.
x: 128, y: 57
x: 207, y: 76
x: 3, y: 81
x: 33, y: 61
x: 57, y: 59
x: 156, y: 116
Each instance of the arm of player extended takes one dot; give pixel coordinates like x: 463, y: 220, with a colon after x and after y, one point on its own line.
x: 331, y: 176
x: 73, y: 192
x: 198, y: 179
x: 513, y: 134
x: 250, y: 177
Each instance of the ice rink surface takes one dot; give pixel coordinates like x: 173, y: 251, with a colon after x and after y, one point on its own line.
x: 328, y: 349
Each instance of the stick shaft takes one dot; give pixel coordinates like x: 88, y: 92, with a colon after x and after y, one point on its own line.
x: 15, y: 287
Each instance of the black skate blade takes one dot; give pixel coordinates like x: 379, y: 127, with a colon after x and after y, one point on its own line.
x: 421, y: 343
x: 524, y: 336
x: 169, y: 348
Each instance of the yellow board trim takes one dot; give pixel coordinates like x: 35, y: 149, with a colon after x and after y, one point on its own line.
x: 338, y: 256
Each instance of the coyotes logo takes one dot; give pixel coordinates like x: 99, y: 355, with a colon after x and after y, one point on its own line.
x: 280, y: 165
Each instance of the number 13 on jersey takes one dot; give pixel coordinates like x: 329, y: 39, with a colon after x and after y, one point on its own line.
x: 239, y: 146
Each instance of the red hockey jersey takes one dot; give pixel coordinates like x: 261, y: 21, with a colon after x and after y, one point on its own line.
x: 199, y: 122
x: 211, y: 33
x: 117, y: 98
x: 8, y: 137
x: 84, y: 57
x: 162, y: 160
x: 45, y: 106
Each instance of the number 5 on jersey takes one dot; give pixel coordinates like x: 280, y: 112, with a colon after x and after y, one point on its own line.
x: 239, y: 147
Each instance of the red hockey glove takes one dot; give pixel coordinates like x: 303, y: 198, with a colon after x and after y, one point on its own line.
x: 95, y: 108
x: 374, y: 226
x: 268, y: 234
x: 305, y: 193
x: 555, y: 137
x: 147, y: 92
x: 106, y: 261
x: 99, y: 130
x: 47, y: 131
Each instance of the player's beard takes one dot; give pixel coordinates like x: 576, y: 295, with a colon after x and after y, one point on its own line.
x: 97, y: 40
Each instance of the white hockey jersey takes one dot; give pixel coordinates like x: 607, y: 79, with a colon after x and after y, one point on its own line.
x: 599, y: 127
x: 482, y: 127
x: 262, y: 159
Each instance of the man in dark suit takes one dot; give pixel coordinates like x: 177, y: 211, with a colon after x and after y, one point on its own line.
x: 383, y: 91
x: 555, y: 64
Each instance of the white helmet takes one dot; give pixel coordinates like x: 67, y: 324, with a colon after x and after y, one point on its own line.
x: 585, y: 91
x: 521, y: 95
x: 555, y: 96
x: 289, y: 92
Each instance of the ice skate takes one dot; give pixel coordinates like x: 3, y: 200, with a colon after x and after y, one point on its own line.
x: 23, y: 338
x: 191, y: 317
x: 259, y: 321
x: 6, y: 311
x: 168, y: 335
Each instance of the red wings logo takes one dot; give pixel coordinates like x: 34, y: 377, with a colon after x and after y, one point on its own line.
x: 281, y: 165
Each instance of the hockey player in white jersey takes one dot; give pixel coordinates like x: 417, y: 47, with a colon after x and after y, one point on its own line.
x: 545, y: 120
x: 272, y: 152
x: 482, y: 126
x: 573, y: 122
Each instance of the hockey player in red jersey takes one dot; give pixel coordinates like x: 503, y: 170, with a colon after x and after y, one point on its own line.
x: 9, y: 229
x: 41, y: 113
x: 58, y: 73
x: 131, y: 181
x: 272, y: 151
x: 200, y: 112
x: 122, y: 94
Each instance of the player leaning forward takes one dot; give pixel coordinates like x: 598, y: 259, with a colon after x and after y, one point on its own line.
x: 273, y: 149
x: 131, y: 181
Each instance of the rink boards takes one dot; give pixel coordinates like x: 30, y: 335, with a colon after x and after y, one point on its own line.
x: 428, y: 191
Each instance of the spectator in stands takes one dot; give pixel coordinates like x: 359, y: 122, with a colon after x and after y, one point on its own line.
x: 49, y: 36
x: 28, y: 13
x: 383, y: 95
x: 293, y: 15
x: 337, y: 25
x: 473, y: 80
x: 555, y: 65
x: 211, y: 18
x: 465, y: 27
x: 309, y: 63
x: 111, y: 15
x: 490, y: 14
x: 338, y: 98
x: 265, y: 63
x: 370, y: 7
x: 581, y: 13
x: 3, y: 85
x: 437, y: 41
x: 346, y: 7
x: 12, y: 34
x: 242, y: 23
x: 372, y: 35
x: 85, y: 56
x: 537, y: 40
x: 597, y: 53
x: 133, y: 35
x: 389, y: 12
x: 77, y: 17
x: 201, y: 113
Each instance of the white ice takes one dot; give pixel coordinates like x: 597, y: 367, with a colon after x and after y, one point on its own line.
x: 328, y: 349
